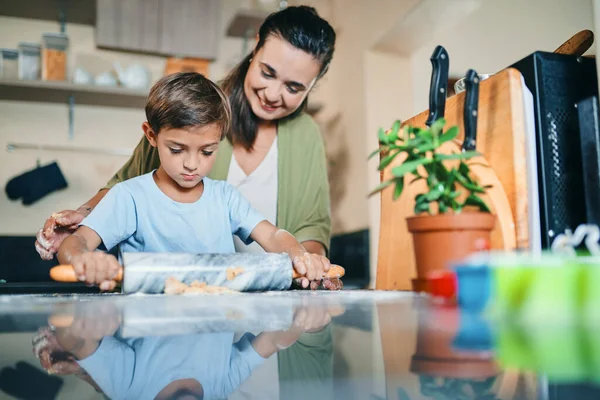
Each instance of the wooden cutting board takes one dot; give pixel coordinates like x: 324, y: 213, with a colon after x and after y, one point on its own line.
x: 501, y: 140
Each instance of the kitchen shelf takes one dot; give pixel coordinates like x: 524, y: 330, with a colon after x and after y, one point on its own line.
x: 60, y: 92
x: 77, y: 11
x: 246, y: 21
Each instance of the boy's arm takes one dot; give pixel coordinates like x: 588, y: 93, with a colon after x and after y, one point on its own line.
x: 90, y: 266
x: 82, y: 241
x: 273, y: 240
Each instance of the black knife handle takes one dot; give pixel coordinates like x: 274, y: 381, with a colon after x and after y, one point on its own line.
x: 440, y: 63
x: 471, y: 110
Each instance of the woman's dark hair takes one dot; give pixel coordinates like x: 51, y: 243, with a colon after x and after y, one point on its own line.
x: 304, y: 29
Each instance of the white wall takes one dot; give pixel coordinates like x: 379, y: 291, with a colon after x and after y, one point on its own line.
x: 498, y: 34
x: 387, y: 77
x: 100, y: 127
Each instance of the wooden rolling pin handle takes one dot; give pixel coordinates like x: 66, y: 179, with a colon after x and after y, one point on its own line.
x: 66, y: 273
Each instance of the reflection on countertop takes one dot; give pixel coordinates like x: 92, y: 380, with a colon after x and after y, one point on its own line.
x: 284, y: 345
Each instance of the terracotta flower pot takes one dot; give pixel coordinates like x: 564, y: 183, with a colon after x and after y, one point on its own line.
x: 440, y: 240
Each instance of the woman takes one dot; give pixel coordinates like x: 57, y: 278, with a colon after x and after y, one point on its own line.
x: 274, y: 153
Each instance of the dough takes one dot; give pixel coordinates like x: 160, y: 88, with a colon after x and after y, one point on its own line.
x: 232, y: 272
x: 175, y: 286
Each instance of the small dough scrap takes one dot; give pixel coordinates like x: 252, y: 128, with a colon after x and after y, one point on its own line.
x: 174, y: 286
x: 232, y: 272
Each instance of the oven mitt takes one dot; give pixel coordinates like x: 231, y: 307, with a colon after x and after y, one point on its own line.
x: 33, y: 185
x: 26, y: 382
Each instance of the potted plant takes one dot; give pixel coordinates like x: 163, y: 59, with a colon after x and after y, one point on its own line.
x: 451, y: 219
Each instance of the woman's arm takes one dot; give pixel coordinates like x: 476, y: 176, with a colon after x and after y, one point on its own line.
x: 312, y: 246
x: 62, y: 224
x: 305, y: 209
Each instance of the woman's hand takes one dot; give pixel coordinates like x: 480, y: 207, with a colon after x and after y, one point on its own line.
x: 56, y: 229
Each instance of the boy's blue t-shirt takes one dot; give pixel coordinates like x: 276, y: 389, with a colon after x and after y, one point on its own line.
x: 139, y: 217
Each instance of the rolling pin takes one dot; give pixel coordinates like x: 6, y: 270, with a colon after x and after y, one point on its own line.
x: 147, y: 272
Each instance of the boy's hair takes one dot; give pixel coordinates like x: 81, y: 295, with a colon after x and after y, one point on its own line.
x: 187, y: 99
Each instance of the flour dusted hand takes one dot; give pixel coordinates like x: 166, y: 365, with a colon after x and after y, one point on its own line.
x: 56, y: 229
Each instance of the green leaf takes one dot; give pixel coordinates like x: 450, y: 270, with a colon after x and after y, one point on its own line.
x: 418, y: 178
x: 443, y: 207
x: 470, y: 154
x: 456, y: 206
x: 464, y: 170
x: 393, y: 136
x: 379, y: 150
x: 474, y: 200
x: 456, y: 156
x: 381, y: 186
x: 410, y: 166
x: 469, y: 184
x: 437, y: 126
x: 399, y: 187
x: 435, y: 193
x: 418, y: 141
x: 450, y: 134
x: 382, y: 136
x: 421, y: 207
x: 385, y: 161
x: 445, y: 157
x: 427, y: 146
x: 454, y: 194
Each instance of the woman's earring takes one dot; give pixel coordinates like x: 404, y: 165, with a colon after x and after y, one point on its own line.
x: 250, y: 60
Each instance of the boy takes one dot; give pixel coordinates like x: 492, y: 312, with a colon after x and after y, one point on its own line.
x: 176, y: 208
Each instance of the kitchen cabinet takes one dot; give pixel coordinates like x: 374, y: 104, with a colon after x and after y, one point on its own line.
x: 185, y: 28
x: 189, y: 28
x: 128, y: 25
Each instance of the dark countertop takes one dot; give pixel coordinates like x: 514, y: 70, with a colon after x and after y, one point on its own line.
x: 359, y: 345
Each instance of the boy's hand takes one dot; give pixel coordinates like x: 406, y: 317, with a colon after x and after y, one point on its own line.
x: 312, y: 267
x: 96, y: 268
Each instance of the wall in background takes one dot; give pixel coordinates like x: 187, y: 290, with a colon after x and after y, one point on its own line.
x: 99, y: 127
